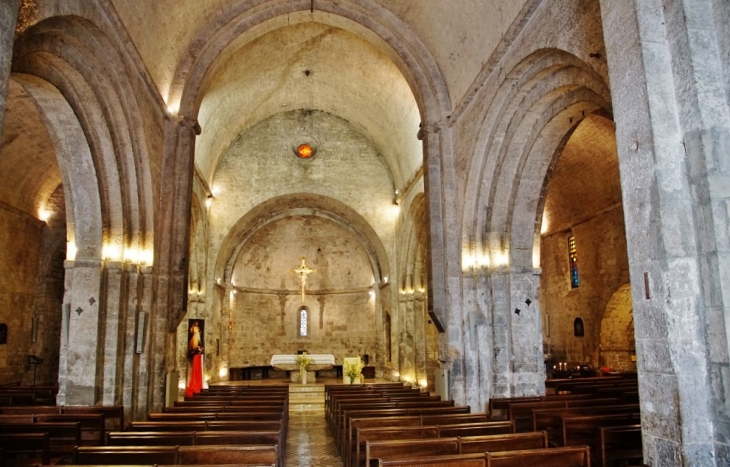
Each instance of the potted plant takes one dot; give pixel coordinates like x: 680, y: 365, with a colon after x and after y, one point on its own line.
x: 303, y: 361
x: 353, y: 370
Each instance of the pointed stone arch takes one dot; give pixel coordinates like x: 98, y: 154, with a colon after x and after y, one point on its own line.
x: 85, y: 91
x: 531, y: 115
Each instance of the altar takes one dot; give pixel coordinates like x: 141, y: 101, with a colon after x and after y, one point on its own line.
x: 289, y: 363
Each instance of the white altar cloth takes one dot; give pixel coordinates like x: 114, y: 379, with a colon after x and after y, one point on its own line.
x: 289, y: 362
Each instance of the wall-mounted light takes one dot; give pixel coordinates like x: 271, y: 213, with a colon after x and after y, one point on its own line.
x: 111, y: 252
x: 44, y: 214
x: 70, y: 251
x: 209, y: 201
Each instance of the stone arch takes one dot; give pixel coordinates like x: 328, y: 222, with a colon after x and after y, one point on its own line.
x: 411, y: 56
x: 88, y: 97
x: 533, y: 111
x: 538, y: 104
x: 68, y: 52
x: 369, y: 20
x: 307, y: 204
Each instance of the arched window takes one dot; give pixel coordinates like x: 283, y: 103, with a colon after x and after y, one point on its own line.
x: 573, y: 259
x: 303, y: 322
x: 388, y: 342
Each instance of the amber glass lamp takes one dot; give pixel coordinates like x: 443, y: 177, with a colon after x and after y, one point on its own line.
x: 305, y: 151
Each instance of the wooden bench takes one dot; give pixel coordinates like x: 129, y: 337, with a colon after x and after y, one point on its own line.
x: 194, y: 417
x: 451, y: 419
x: 63, y: 437
x: 583, y: 430
x: 476, y: 429
x: 168, y: 426
x: 549, y: 420
x: 193, y: 438
x: 31, y: 445
x: 356, y: 456
x: 113, y: 414
x: 620, y: 445
x: 264, y: 454
x: 93, y: 426
x: 522, y: 412
x: 478, y: 445
x: 176, y: 455
x: 150, y: 438
x: 459, y: 460
x: 370, y: 422
x: 408, y: 448
x: 125, y: 455
x: 508, y: 442
x: 575, y: 456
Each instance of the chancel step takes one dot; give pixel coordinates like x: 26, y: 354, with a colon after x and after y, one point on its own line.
x: 306, y: 397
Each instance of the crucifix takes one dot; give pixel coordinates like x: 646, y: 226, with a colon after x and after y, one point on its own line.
x: 303, y: 271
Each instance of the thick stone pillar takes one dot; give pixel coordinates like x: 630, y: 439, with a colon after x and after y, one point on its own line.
x: 8, y: 19
x: 112, y: 326
x: 673, y: 139
x: 79, y: 369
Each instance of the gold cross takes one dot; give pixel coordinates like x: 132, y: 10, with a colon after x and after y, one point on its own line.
x: 303, y: 271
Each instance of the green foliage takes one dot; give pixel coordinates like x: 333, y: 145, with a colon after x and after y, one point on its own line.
x: 353, y: 370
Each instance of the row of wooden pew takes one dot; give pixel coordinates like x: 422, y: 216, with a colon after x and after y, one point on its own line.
x: 388, y: 424
x: 223, y: 425
x: 15, y: 395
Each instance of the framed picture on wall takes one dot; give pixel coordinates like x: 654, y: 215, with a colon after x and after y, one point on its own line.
x: 196, y: 333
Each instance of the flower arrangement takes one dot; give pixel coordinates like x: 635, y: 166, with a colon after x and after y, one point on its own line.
x: 303, y: 361
x: 353, y: 370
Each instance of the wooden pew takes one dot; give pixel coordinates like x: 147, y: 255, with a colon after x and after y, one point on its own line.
x: 356, y: 456
x: 167, y: 426
x: 370, y: 422
x: 193, y: 417
x: 113, y: 414
x: 150, y: 438
x: 522, y: 412
x: 508, y: 442
x: 476, y: 429
x: 550, y: 419
x: 452, y: 419
x: 459, y: 460
x: 583, y: 430
x: 416, y: 448
x: 263, y: 454
x: 193, y: 438
x: 620, y: 445
x: 574, y: 456
x: 30, y: 445
x: 125, y: 455
x: 93, y: 426
x: 408, y: 448
x: 63, y: 437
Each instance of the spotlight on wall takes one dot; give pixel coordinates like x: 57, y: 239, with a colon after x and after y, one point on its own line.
x: 209, y: 201
x: 44, y: 214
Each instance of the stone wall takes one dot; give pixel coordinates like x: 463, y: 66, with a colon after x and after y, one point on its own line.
x: 20, y: 235
x: 602, y: 267
x: 254, y: 254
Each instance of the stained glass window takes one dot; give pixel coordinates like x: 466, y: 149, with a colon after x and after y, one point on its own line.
x: 573, y: 259
x: 303, y: 322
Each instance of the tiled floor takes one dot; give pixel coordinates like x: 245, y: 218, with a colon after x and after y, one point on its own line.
x: 310, y: 442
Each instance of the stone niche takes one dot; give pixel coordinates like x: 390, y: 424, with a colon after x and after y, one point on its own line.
x: 267, y: 305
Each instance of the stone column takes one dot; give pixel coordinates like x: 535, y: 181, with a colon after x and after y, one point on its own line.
x: 8, y: 19
x: 112, y: 326
x: 673, y: 139
x: 129, y: 381
x: 143, y: 359
x: 79, y: 369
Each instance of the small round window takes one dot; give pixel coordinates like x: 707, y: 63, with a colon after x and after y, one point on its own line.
x: 305, y: 151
